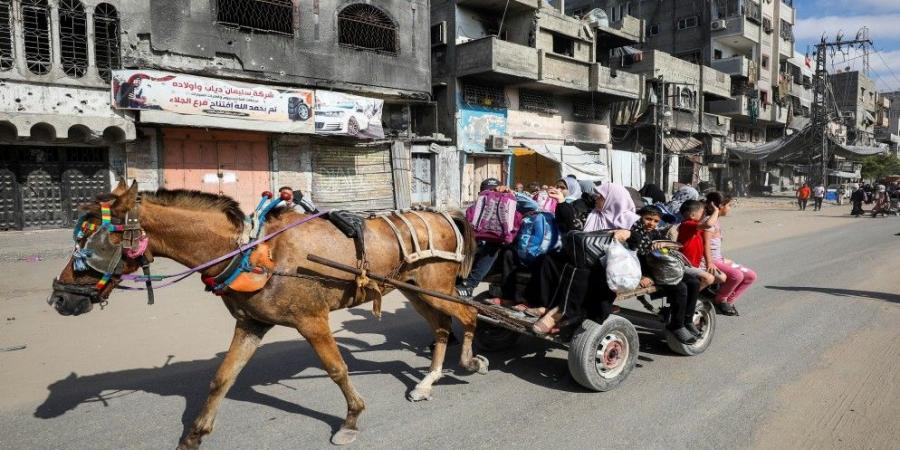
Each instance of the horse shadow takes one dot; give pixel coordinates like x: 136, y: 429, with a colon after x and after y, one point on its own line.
x: 273, y: 364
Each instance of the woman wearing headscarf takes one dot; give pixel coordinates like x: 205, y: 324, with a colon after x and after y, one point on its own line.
x: 573, y: 188
x: 561, y: 289
x: 653, y: 192
x: 683, y: 194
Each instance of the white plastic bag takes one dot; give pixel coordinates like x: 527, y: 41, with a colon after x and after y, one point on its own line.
x: 623, y: 269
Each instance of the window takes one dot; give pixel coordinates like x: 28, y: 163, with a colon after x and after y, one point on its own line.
x: 586, y: 109
x: 7, y: 58
x: 563, y: 45
x: 764, y: 97
x: 765, y: 61
x: 106, y: 39
x: 753, y: 12
x: 653, y: 30
x: 365, y: 27
x: 488, y: 96
x: 36, y: 33
x: 536, y: 101
x: 685, y: 98
x: 787, y: 31
x: 687, y: 22
x: 717, y: 54
x: 580, y: 12
x: 439, y: 34
x: 268, y: 16
x: 73, y: 38
x: 693, y: 57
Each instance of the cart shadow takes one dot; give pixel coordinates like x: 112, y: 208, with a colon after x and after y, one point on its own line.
x: 274, y: 364
x: 886, y: 296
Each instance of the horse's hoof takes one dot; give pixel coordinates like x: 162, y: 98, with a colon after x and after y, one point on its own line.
x: 483, y: 364
x: 344, y: 436
x: 418, y: 395
x: 183, y: 445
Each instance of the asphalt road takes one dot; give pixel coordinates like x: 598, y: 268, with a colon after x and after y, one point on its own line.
x: 816, y: 293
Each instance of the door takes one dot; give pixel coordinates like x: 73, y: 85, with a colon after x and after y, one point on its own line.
x: 479, y: 168
x: 422, y: 185
x: 42, y: 187
x: 352, y: 178
x: 229, y: 163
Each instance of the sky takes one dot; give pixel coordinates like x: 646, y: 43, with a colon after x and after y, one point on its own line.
x: 830, y: 17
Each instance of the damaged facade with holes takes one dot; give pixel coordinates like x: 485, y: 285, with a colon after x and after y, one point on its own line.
x: 342, y: 108
x: 60, y: 143
x: 522, y: 94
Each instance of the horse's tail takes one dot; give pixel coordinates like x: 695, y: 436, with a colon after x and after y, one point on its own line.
x: 469, y: 243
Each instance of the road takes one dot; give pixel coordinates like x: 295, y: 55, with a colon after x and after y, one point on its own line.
x: 812, y: 362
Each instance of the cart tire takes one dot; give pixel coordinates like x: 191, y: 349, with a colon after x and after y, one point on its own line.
x: 705, y: 321
x: 602, y: 356
x: 491, y: 338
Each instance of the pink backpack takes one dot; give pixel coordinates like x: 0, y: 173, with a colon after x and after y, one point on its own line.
x: 494, y: 217
x: 546, y: 202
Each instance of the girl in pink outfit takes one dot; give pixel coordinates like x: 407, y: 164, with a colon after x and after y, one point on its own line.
x: 739, y: 278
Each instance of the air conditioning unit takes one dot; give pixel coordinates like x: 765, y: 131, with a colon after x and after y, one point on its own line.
x: 718, y: 25
x: 497, y: 143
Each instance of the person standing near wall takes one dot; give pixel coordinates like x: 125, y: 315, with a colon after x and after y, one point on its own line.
x: 803, y: 196
x: 818, y: 196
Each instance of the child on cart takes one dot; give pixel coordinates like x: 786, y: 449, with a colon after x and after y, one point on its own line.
x: 693, y: 235
x: 682, y: 297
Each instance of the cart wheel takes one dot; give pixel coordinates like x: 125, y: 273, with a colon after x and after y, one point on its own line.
x: 705, y: 321
x: 491, y: 338
x: 602, y: 356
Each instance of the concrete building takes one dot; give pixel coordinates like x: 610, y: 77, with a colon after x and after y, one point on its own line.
x: 521, y: 92
x: 60, y: 143
x: 857, y: 101
x: 887, y: 121
x: 338, y: 99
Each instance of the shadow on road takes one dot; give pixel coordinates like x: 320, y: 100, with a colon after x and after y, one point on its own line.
x: 888, y: 297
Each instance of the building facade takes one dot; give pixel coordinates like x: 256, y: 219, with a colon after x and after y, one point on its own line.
x: 521, y: 92
x: 857, y: 100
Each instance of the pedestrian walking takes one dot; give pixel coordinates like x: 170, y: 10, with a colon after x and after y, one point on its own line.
x: 882, y: 201
x: 856, y: 199
x: 803, y: 196
x: 818, y: 196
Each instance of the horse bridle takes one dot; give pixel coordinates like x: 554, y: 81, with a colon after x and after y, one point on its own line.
x: 100, y: 254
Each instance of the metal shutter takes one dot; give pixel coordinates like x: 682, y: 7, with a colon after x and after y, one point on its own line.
x: 352, y: 178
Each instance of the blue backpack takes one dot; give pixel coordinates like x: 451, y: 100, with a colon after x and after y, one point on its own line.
x: 538, y: 235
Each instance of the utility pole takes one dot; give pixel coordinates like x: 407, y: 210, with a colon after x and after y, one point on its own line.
x: 820, y: 88
x: 661, y: 101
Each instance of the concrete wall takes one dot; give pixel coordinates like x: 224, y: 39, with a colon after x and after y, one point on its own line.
x: 182, y: 35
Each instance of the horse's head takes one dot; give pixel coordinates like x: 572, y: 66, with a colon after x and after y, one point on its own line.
x: 109, y: 242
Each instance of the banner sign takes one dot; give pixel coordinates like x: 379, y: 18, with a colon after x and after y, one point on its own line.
x: 338, y: 113
x: 187, y: 94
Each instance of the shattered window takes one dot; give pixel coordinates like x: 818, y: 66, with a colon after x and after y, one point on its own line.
x: 586, y: 109
x: 73, y: 38
x: 106, y: 39
x: 36, y: 33
x: 7, y: 59
x: 366, y: 27
x: 268, y: 16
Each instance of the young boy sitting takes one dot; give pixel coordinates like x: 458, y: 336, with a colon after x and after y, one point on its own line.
x: 682, y: 297
x: 695, y: 246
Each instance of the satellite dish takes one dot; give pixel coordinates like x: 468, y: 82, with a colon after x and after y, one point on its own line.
x: 596, y: 18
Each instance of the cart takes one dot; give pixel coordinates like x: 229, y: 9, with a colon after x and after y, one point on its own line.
x: 601, y: 355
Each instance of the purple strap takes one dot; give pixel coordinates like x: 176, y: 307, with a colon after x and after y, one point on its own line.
x: 186, y: 273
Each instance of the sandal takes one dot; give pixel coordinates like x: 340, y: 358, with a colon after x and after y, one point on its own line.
x: 547, y: 323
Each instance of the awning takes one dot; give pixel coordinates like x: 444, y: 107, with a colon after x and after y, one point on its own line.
x: 677, y: 144
x: 842, y: 174
x: 573, y: 161
x: 858, y: 150
x: 776, y: 148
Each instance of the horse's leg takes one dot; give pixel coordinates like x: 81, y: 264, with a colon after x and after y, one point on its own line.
x: 247, y: 336
x: 317, y: 332
x: 440, y: 325
x: 468, y: 318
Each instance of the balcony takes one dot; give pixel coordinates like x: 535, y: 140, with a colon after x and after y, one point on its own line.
x: 627, y: 31
x: 715, y: 124
x: 778, y: 114
x: 736, y: 66
x: 499, y: 5
x: 495, y: 60
x: 740, y: 32
x: 736, y: 106
x: 563, y: 71
x: 615, y: 82
x: 716, y: 83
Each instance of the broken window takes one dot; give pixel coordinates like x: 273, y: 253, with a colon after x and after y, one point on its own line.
x: 36, y: 34
x: 586, y: 109
x: 365, y: 27
x: 73, y: 38
x: 488, y: 96
x: 106, y: 39
x: 536, y: 101
x: 563, y: 45
x: 268, y: 16
x: 7, y: 59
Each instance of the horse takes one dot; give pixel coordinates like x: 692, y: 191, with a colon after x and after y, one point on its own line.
x: 192, y: 227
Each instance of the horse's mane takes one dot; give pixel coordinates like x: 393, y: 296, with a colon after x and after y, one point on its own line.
x: 198, y: 200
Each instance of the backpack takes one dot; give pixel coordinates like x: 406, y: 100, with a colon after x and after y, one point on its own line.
x: 494, y: 217
x: 546, y: 202
x: 526, y: 204
x: 537, y: 236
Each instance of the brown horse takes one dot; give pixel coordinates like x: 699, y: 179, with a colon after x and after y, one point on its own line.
x: 192, y: 227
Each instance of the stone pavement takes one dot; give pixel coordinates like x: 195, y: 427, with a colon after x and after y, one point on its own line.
x: 34, y: 245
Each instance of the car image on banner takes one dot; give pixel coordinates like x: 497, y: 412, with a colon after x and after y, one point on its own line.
x: 349, y: 115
